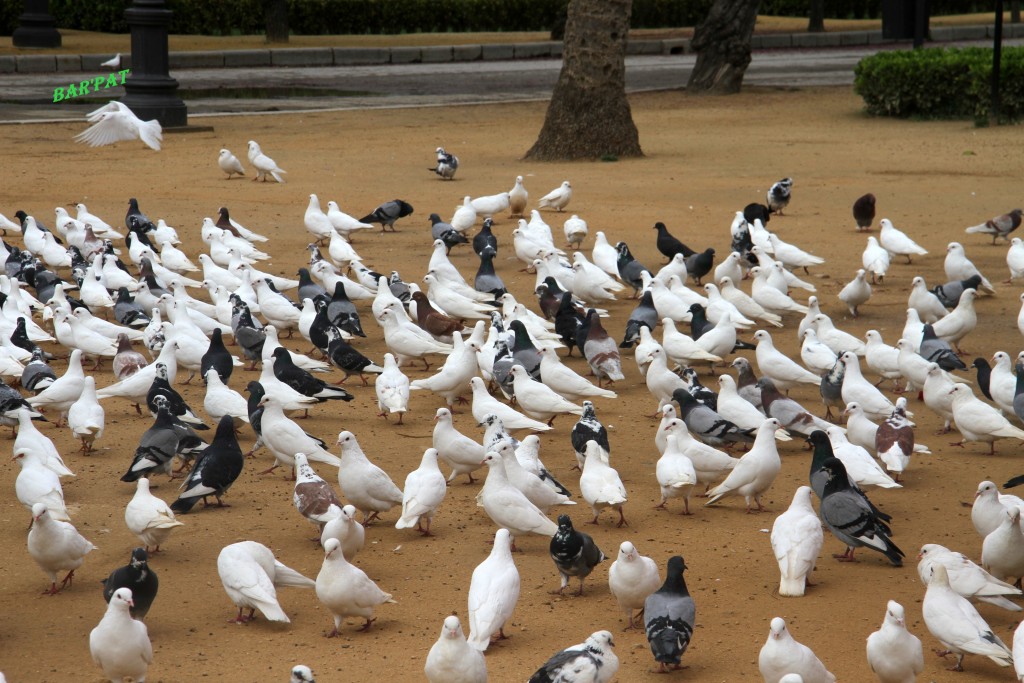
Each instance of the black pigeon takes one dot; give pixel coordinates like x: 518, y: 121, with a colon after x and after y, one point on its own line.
x: 487, y: 280
x: 984, y: 375
x: 448, y: 235
x: 864, y: 211
x: 175, y: 403
x: 320, y: 325
x: 644, y: 315
x: 343, y: 356
x: 698, y: 390
x: 949, y: 293
x: 699, y: 323
x: 1018, y: 392
x: 137, y: 576
x: 629, y: 268
x: 12, y: 401
x: 547, y: 301
x: 568, y: 323
x: 831, y: 388
x: 20, y: 339
x: 752, y: 212
x: 447, y: 164
x: 699, y: 265
x: 399, y: 288
x: 706, y: 424
x: 160, y: 443
x: 588, y: 428
x: 501, y: 369
x: 668, y: 245
x: 127, y: 312
x: 342, y: 312
x: 822, y: 446
x: 307, y: 288
x: 581, y: 662
x: 253, y: 407
x: 302, y: 381
x: 215, y: 470
x: 136, y: 219
x: 217, y: 358
x: 523, y: 350
x: 37, y: 374
x: 574, y: 553
x: 247, y: 335
x: 939, y: 351
x: 485, y: 238
x: 850, y: 518
x: 669, y: 616
x: 387, y: 213
x: 778, y: 195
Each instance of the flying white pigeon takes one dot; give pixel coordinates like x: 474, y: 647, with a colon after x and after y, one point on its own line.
x: 114, y: 122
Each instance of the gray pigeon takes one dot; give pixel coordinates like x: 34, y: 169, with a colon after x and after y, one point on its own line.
x: 1000, y: 226
x: 791, y: 414
x: 487, y: 280
x: 706, y: 424
x: 37, y: 374
x: 246, y: 333
x: 447, y: 164
x: 831, y: 388
x: 643, y: 315
x: 949, y: 293
x: 1018, y: 393
x: 669, y: 615
x: 939, y: 351
x: 778, y: 195
x: 574, y: 553
x: 629, y: 268
x: 818, y: 477
x: 387, y: 213
x: 592, y: 661
x: 746, y: 382
x: 850, y: 518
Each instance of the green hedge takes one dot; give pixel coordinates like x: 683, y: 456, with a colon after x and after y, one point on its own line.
x: 939, y: 83
x: 868, y: 9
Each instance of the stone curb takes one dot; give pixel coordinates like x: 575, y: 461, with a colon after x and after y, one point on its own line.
x: 355, y: 56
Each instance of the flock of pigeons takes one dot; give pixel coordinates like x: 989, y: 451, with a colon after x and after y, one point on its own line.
x: 95, y: 292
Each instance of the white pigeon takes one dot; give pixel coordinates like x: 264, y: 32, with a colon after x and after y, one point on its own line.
x: 86, y: 416
x: 862, y: 469
x: 316, y: 221
x: 284, y: 438
x: 875, y: 260
x: 897, y: 243
x: 880, y: 357
x: 493, y: 593
x: 392, y: 388
x: 990, y: 508
x: 406, y: 340
x: 894, y: 653
x: 959, y: 322
x: 770, y: 298
x: 955, y: 623
x: 518, y: 198
x: 452, y: 660
x: 1018, y: 652
x: 756, y: 470
x: 966, y: 578
x: 680, y: 347
x: 464, y: 216
x: 818, y: 357
x: 796, y: 540
x: 538, y: 400
x: 978, y: 421
x: 1002, y: 551
x: 928, y: 306
x: 710, y: 464
x: 558, y: 198
x: 959, y: 267
x: 120, y: 644
x: 537, y: 490
x: 834, y: 338
x: 424, y: 490
x: 114, y: 122
x: 565, y: 381
x: 738, y: 410
x: 343, y: 223
x: 591, y: 285
x: 509, y: 507
x: 792, y: 256
x: 112, y: 63
x: 575, y: 229
x: 249, y: 573
x: 363, y: 484
x: 675, y: 474
x: 149, y: 517
x: 37, y: 483
x: 782, y: 655
x: 778, y: 367
x: 263, y: 164
x: 484, y: 404
x: 856, y: 292
x: 461, y: 453
x: 857, y: 389
x: 346, y: 590
x: 600, y: 483
x: 56, y: 546
x: 1002, y: 383
x: 631, y: 578
x: 488, y: 205
x: 221, y: 400
x: 342, y: 525
x: 229, y: 163
x: 1015, y: 259
x: 62, y: 393
x: 603, y: 255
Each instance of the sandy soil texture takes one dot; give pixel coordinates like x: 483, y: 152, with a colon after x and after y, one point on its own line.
x: 706, y: 159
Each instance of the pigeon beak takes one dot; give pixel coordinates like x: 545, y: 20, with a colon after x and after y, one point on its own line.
x: 131, y: 603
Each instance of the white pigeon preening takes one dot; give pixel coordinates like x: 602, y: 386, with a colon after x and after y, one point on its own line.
x: 425, y: 488
x: 56, y: 546
x: 493, y: 593
x: 782, y: 655
x: 346, y: 590
x: 263, y: 164
x: 249, y: 573
x: 558, y: 198
x: 120, y: 644
x: 114, y: 122
x: 149, y: 517
x: 229, y: 163
x: 796, y: 540
x: 452, y: 660
x: 631, y: 578
x: 894, y: 653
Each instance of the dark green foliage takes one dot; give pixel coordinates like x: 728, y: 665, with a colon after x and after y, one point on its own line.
x: 867, y: 9
x: 938, y: 83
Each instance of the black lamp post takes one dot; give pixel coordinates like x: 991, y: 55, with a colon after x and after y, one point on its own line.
x: 36, y: 27
x: 151, y: 92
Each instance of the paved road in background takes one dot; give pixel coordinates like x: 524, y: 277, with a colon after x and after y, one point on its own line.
x: 27, y: 96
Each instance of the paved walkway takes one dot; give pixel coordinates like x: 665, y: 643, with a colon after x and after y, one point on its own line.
x: 356, y: 78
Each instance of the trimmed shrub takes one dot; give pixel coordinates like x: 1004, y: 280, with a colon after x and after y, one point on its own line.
x: 940, y: 83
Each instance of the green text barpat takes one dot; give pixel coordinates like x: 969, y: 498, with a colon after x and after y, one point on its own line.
x: 83, y: 87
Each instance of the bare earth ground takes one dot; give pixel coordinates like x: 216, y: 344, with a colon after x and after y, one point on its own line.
x: 706, y: 159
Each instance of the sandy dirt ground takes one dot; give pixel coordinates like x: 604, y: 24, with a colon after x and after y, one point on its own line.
x: 706, y: 158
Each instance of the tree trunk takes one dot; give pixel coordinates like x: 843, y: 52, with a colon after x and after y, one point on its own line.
x: 589, y: 115
x: 275, y: 15
x: 722, y: 44
x: 816, y: 23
